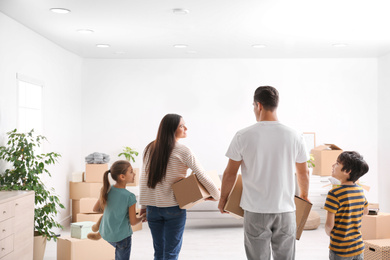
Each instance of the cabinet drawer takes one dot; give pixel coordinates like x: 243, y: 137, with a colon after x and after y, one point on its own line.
x: 6, y: 228
x: 6, y: 246
x: 7, y: 210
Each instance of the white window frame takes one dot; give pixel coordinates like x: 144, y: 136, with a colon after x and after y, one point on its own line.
x: 35, y: 82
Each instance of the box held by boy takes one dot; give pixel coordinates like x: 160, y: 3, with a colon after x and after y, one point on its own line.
x: 189, y: 191
x: 80, y: 230
x: 79, y: 190
x: 376, y: 226
x: 324, y: 157
x: 94, y: 172
x: 81, y: 249
x: 377, y: 249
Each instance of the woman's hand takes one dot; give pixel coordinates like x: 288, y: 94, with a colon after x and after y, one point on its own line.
x: 143, y: 215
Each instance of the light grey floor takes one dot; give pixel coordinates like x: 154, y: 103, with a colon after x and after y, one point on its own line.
x: 215, y: 239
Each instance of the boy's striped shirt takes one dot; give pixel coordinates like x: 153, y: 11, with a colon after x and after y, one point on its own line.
x: 347, y: 202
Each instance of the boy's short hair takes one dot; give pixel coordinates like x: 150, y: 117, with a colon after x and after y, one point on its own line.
x: 354, y: 164
x: 267, y: 96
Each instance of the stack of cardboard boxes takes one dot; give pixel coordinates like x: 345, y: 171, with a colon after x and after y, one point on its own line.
x: 376, y: 234
x: 85, y: 194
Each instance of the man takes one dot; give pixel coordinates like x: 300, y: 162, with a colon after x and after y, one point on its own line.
x: 267, y: 152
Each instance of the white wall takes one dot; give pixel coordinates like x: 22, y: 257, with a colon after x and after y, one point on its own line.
x: 124, y: 101
x: 384, y: 132
x: 25, y: 52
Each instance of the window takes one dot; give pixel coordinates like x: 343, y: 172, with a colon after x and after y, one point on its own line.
x: 29, y: 105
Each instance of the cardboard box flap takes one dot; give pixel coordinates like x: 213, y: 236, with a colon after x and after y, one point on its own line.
x: 333, y: 147
x: 320, y: 148
x: 303, y: 208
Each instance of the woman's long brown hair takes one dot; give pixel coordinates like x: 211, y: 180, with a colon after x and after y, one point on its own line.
x: 117, y: 168
x: 157, y: 153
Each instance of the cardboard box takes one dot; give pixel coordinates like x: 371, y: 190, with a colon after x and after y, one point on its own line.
x: 232, y: 206
x: 84, y: 205
x: 302, y: 212
x: 324, y: 157
x: 79, y: 190
x: 80, y: 230
x: 376, y: 226
x: 136, y: 178
x: 88, y: 217
x: 95, y: 172
x: 78, y: 176
x: 377, y: 249
x: 233, y: 202
x: 80, y: 249
x: 190, y: 191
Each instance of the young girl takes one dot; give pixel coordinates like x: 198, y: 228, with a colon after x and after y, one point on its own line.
x: 118, y: 205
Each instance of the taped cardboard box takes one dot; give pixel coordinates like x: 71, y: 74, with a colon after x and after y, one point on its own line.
x: 377, y: 249
x: 233, y: 202
x: 324, y: 157
x: 81, y: 249
x: 84, y: 205
x: 95, y: 172
x: 79, y: 190
x: 376, y: 226
x: 189, y: 191
x: 136, y: 178
x: 232, y: 206
x: 80, y: 230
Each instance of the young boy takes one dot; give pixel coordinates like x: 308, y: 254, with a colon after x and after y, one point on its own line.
x: 346, y: 206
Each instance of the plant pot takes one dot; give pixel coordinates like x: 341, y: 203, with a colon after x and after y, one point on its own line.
x: 39, y: 246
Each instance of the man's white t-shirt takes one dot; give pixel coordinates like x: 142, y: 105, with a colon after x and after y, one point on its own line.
x: 269, y: 151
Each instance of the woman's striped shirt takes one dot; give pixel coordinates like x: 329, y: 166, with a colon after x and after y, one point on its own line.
x: 162, y: 195
x: 348, y: 203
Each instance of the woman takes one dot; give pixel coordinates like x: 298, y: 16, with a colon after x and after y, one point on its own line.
x: 165, y: 162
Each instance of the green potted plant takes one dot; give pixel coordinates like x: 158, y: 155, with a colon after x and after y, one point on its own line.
x: 26, y: 168
x: 128, y: 153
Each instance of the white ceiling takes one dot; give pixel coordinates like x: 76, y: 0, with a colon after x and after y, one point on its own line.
x: 212, y: 28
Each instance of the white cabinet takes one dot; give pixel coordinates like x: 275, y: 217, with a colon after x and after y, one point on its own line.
x: 16, y: 225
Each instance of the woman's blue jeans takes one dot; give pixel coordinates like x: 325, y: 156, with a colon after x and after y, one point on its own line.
x: 122, y: 249
x: 167, y: 227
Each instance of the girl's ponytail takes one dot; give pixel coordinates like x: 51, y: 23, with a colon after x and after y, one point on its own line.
x: 104, y: 190
x: 117, y: 168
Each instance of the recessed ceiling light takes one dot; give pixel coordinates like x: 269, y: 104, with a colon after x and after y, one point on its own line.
x: 259, y: 46
x: 60, y: 10
x: 180, y: 46
x: 85, y: 31
x: 180, y: 11
x: 103, y: 45
x: 340, y: 45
